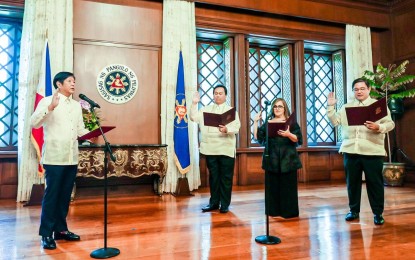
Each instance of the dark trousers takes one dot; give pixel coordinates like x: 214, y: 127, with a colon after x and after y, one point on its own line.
x: 281, y: 194
x: 55, y: 203
x: 354, y: 164
x: 220, y: 179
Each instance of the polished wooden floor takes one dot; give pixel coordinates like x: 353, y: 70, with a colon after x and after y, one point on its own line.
x: 144, y: 226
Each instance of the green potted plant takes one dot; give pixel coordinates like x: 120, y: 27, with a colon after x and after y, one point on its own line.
x: 91, y: 121
x: 391, y: 82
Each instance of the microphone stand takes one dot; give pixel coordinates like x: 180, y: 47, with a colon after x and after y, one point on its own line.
x: 397, y: 150
x: 267, y: 239
x: 105, y: 252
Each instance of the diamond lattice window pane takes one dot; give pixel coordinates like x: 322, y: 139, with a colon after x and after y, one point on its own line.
x: 210, y: 68
x: 10, y: 36
x: 319, y: 82
x: 264, y: 80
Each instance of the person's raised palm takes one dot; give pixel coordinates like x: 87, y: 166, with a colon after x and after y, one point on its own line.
x: 55, y: 101
x: 258, y: 116
x: 331, y: 100
x: 196, y: 97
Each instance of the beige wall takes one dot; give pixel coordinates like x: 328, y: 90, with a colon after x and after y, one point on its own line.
x: 128, y: 33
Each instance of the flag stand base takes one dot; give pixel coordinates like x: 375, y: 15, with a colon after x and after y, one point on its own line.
x: 182, y: 188
x: 36, y: 195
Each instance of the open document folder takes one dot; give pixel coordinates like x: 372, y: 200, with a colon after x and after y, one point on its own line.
x: 212, y: 119
x: 373, y: 112
x: 274, y: 127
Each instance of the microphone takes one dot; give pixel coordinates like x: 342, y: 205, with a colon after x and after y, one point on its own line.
x: 267, y: 103
x: 92, y: 103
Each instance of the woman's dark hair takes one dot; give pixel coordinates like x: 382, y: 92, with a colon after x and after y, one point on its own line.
x: 220, y: 86
x: 358, y: 80
x: 61, y: 76
x: 286, y: 108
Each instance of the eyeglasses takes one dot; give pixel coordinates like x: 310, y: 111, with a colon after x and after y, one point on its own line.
x: 279, y: 107
x: 360, y: 89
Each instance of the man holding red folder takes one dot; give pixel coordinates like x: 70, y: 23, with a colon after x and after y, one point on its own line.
x: 363, y: 149
x: 218, y: 144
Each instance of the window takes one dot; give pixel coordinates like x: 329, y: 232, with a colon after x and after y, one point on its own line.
x: 212, y: 69
x: 339, y: 82
x: 323, y: 74
x: 270, y: 74
x: 10, y: 36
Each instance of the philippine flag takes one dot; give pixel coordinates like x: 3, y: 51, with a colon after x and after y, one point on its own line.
x: 44, y: 89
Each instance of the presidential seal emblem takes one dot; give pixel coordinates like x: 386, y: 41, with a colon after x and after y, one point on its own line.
x: 117, y: 83
x: 181, y: 111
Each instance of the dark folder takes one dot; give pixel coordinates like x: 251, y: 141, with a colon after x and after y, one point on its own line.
x: 274, y: 127
x: 212, y: 119
x: 96, y: 132
x: 373, y: 112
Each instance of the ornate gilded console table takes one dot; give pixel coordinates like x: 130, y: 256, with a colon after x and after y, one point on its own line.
x: 131, y: 160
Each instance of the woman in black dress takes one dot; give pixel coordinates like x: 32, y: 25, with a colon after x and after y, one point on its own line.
x: 281, y: 193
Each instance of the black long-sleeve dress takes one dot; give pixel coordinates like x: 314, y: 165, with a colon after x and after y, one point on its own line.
x: 281, y: 191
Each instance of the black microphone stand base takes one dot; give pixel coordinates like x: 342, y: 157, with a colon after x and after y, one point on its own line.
x: 105, y: 253
x: 267, y: 240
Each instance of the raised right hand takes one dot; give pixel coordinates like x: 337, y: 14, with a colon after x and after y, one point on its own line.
x: 258, y: 116
x: 196, y: 97
x: 331, y: 100
x: 55, y: 101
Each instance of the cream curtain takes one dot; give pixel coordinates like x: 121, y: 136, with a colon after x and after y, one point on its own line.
x: 179, y: 32
x: 358, y: 54
x: 43, y: 19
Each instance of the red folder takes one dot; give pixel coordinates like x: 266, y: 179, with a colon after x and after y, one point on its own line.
x: 96, y: 132
x: 212, y: 119
x: 274, y: 127
x: 373, y: 112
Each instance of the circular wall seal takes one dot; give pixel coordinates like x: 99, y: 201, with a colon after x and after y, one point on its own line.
x: 117, y: 83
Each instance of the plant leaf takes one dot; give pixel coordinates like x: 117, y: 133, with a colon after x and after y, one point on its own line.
x: 410, y: 93
x: 399, y: 70
x: 402, y: 80
x: 390, y: 81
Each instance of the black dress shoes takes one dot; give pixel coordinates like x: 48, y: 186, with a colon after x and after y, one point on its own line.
x: 67, y: 235
x: 378, y: 219
x: 48, y: 243
x: 224, y: 210
x: 210, y: 208
x: 352, y: 216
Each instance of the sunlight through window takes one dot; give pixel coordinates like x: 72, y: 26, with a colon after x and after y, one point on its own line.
x: 10, y: 35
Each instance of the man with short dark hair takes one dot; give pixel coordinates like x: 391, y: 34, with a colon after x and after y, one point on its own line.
x: 61, y: 118
x: 363, y: 149
x: 218, y: 144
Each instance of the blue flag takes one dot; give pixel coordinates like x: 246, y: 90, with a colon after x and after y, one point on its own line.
x: 181, y: 134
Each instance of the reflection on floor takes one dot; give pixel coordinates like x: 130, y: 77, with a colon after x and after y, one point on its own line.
x: 145, y: 226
